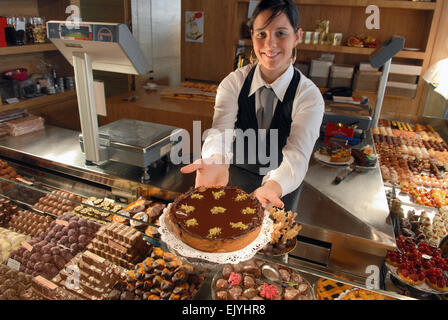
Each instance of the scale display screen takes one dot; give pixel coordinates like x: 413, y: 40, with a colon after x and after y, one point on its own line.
x: 84, y: 31
x: 81, y: 33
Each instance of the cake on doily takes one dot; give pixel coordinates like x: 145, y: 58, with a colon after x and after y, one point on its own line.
x: 216, y: 219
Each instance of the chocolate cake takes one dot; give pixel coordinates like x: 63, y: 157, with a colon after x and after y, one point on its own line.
x: 216, y: 219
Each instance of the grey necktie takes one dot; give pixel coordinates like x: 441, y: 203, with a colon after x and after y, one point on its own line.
x: 264, y: 114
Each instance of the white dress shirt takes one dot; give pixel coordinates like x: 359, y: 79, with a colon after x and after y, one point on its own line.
x: 307, y: 114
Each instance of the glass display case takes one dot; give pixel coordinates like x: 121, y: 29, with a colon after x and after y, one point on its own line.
x: 66, y: 239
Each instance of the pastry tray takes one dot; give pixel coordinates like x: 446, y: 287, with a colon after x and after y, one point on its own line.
x: 422, y: 287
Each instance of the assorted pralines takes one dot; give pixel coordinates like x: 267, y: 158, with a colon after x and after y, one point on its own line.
x: 257, y: 279
x: 161, y: 276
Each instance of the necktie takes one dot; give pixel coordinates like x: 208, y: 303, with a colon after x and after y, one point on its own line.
x: 264, y: 116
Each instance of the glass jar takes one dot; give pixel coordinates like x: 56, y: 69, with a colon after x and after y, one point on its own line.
x: 39, y: 30
x: 20, y: 30
x: 29, y: 35
x: 10, y: 31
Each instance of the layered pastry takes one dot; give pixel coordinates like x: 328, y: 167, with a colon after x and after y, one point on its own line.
x: 341, y: 156
x: 97, y: 276
x: 216, y: 219
x: 122, y: 245
x: 362, y: 159
x: 330, y: 149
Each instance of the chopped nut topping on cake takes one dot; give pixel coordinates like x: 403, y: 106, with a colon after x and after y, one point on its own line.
x: 218, y: 194
x: 192, y: 222
x: 216, y: 210
x: 197, y: 196
x: 213, y: 232
x: 241, y: 197
x: 248, y: 210
x: 239, y: 225
x: 187, y: 208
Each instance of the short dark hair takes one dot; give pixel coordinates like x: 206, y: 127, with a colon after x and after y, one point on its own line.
x: 277, y: 7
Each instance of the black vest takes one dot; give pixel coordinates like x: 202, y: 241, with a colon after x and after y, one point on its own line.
x: 281, y: 120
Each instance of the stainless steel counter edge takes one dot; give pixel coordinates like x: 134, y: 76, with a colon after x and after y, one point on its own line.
x: 58, y: 149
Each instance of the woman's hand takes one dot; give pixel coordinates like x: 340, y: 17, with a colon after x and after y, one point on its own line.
x: 269, y: 193
x: 209, y: 172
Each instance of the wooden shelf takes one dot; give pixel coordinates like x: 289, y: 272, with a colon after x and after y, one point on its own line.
x: 27, y: 49
x: 369, y: 94
x: 419, y: 55
x: 36, y: 103
x: 394, y: 4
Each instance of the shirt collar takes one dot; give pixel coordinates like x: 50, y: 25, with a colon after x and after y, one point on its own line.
x: 280, y: 85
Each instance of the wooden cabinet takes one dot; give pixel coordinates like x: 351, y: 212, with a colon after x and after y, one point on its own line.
x: 418, y: 22
x: 212, y: 59
x: 59, y: 109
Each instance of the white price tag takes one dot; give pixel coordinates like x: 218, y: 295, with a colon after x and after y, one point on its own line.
x: 13, y: 264
x: 12, y: 100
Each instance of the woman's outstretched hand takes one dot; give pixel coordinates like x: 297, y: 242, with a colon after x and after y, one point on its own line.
x: 269, y: 193
x: 209, y: 172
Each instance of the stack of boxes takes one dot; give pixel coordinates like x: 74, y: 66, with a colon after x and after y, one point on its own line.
x: 367, y: 78
x: 403, y: 80
x: 320, y: 71
x: 341, y: 76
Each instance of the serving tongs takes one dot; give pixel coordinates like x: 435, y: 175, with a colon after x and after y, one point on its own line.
x: 344, y: 173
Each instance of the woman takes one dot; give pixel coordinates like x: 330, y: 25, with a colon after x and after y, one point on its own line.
x: 294, y: 106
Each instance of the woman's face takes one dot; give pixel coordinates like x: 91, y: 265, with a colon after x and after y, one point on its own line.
x: 274, y: 43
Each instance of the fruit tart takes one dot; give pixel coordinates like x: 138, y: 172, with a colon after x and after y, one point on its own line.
x: 405, y: 244
x: 394, y: 258
x: 327, y: 289
x: 436, y: 279
x: 409, y: 274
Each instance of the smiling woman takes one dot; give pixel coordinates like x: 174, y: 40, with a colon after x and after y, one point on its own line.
x: 271, y: 98
x: 275, y: 34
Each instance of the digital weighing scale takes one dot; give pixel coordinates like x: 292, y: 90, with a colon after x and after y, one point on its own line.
x: 110, y: 47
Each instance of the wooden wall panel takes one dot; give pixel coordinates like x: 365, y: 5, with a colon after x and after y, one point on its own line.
x: 63, y: 114
x: 210, y: 60
x: 18, y: 7
x: 53, y: 9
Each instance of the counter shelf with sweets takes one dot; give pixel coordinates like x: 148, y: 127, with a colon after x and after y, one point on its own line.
x: 48, y: 280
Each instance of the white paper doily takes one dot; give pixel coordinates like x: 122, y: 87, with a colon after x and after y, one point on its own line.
x: 171, y: 240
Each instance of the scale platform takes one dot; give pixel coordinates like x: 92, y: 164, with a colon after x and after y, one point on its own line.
x: 137, y: 143
x: 348, y: 114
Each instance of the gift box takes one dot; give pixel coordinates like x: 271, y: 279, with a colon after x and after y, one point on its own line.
x: 338, y: 129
